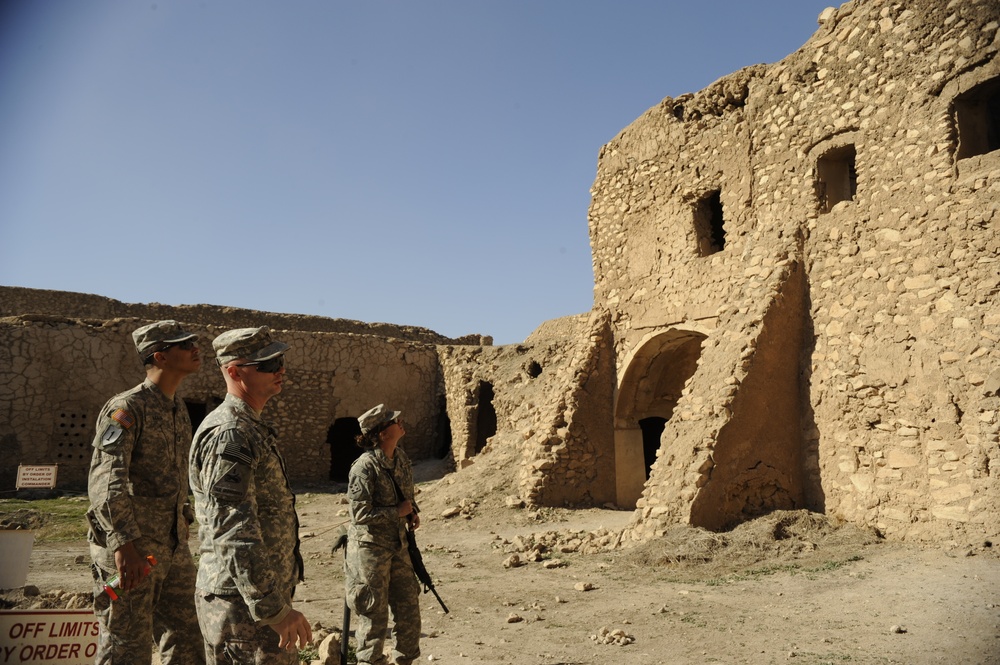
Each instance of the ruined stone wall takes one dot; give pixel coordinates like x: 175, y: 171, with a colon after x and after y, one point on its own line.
x: 18, y: 301
x: 552, y: 400
x: 878, y: 311
x: 56, y: 373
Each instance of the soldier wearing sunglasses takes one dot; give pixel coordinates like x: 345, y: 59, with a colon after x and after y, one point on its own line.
x: 138, y: 487
x: 250, y: 560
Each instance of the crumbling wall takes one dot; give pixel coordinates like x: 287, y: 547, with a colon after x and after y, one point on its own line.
x: 552, y: 401
x: 840, y: 162
x: 17, y: 301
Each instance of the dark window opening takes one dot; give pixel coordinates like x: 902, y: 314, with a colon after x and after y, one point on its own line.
x: 977, y: 119
x: 343, y: 449
x: 836, y: 177
x: 652, y: 428
x: 709, y: 224
x: 486, y: 416
x: 533, y: 369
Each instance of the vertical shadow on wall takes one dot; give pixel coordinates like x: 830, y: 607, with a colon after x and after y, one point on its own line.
x: 760, y: 453
x: 814, y: 495
x: 442, y: 448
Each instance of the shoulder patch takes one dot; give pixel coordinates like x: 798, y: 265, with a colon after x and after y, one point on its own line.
x: 235, y: 451
x: 111, y: 434
x: 123, y: 417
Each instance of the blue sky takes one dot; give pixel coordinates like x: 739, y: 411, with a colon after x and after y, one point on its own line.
x: 415, y: 162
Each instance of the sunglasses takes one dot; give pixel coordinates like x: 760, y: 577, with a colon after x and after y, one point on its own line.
x: 397, y: 421
x: 269, y: 366
x: 186, y: 345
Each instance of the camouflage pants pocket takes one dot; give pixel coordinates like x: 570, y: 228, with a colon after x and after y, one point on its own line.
x: 360, y: 598
x: 240, y: 652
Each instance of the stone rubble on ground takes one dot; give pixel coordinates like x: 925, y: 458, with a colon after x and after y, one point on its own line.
x: 608, y: 636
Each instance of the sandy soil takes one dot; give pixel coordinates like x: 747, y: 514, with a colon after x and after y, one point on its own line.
x: 786, y: 588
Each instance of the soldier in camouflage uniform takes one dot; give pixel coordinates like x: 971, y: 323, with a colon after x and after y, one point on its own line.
x: 138, y: 488
x: 378, y: 571
x: 250, y: 561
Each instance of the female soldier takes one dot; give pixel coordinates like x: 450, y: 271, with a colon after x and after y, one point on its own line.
x: 378, y: 572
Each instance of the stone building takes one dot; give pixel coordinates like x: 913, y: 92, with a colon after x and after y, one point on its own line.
x: 795, y: 306
x: 801, y: 265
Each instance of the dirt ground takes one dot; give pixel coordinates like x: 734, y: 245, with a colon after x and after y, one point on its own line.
x: 550, y: 587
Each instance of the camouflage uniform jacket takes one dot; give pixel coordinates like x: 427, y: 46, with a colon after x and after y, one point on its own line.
x: 138, y: 481
x: 249, y: 530
x: 374, y: 516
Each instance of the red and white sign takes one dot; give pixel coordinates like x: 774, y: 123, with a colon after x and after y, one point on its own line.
x: 36, y: 477
x: 66, y: 637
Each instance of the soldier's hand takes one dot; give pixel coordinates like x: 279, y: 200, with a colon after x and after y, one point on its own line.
x: 132, y: 566
x: 405, y: 508
x: 293, y: 628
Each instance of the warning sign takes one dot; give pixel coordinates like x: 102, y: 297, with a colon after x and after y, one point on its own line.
x: 37, y: 477
x: 66, y: 637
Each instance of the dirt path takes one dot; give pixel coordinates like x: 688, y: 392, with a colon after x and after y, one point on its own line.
x: 811, y: 596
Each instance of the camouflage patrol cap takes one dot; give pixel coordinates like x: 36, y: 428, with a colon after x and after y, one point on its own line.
x: 252, y: 344
x: 375, y: 417
x: 157, y: 336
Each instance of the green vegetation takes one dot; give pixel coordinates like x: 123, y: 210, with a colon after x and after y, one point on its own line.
x: 791, y: 568
x: 52, y: 520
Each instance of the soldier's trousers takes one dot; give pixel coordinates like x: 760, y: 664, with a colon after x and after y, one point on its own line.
x: 232, y: 637
x: 159, y: 612
x: 379, y: 580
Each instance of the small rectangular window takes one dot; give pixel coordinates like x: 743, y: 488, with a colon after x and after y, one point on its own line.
x: 836, y: 177
x: 709, y: 225
x: 977, y: 119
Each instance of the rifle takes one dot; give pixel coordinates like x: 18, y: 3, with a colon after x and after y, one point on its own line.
x: 417, y: 560
x: 345, y: 631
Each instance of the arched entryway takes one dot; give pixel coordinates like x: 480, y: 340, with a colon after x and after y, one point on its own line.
x: 651, y: 385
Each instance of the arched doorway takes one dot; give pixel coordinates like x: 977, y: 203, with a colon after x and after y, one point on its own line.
x: 651, y: 385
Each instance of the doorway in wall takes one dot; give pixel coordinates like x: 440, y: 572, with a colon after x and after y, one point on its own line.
x: 649, y: 390
x: 651, y: 428
x: 343, y: 449
x: 196, y: 412
x: 486, y: 416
